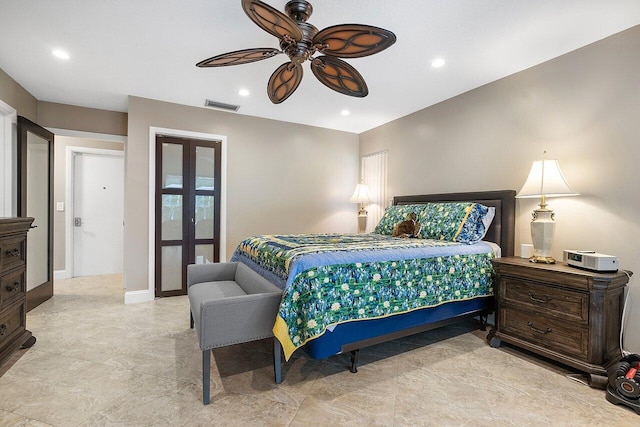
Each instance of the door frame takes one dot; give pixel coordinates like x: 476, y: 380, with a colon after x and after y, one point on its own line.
x: 149, y: 294
x: 68, y: 213
x: 8, y: 160
x: 69, y: 133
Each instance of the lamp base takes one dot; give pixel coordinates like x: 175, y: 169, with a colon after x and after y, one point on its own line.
x: 362, y: 220
x: 542, y: 260
x: 543, y: 228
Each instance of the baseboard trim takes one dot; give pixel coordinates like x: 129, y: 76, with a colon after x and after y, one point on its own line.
x: 61, y: 274
x: 134, y: 297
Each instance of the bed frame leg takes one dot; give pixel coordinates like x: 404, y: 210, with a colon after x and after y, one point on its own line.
x: 277, y: 360
x: 484, y: 320
x: 354, y: 361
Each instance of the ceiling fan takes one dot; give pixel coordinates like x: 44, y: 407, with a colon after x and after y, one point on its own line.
x: 300, y: 40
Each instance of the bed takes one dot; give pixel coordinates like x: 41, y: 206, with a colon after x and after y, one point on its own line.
x: 342, y: 293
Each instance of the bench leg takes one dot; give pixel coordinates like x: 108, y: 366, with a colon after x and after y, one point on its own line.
x: 206, y: 376
x: 354, y: 361
x: 277, y: 360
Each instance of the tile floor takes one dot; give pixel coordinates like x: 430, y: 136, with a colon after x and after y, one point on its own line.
x: 100, y: 362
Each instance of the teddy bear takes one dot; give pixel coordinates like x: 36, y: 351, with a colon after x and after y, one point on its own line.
x: 408, y: 228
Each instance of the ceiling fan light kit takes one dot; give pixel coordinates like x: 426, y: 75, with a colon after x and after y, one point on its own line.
x: 300, y: 40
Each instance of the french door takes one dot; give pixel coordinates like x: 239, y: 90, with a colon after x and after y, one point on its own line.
x: 187, y: 209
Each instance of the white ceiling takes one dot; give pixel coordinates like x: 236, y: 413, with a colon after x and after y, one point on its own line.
x: 149, y: 48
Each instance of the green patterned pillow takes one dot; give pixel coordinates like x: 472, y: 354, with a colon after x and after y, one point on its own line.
x: 455, y: 221
x: 464, y: 222
x: 395, y: 215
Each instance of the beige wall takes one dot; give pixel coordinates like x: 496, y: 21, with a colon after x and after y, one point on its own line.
x: 17, y: 97
x: 281, y: 177
x: 60, y: 189
x: 583, y: 108
x: 71, y: 117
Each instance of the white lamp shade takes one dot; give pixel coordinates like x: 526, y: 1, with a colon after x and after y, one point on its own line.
x: 545, y: 179
x: 361, y: 194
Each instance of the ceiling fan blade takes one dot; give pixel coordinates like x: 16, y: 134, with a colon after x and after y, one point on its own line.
x: 284, y: 81
x: 239, y: 57
x: 354, y: 40
x: 271, y: 20
x: 339, y: 76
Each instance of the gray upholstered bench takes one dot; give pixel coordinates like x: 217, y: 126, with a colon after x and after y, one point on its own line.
x: 230, y: 304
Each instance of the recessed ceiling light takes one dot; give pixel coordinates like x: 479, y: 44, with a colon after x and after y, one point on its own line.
x: 60, y: 54
x: 243, y: 92
x: 437, y: 63
x: 345, y: 112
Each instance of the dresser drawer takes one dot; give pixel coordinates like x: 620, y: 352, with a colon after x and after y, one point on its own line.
x: 12, y: 252
x: 554, y: 334
x: 11, y: 322
x: 12, y: 288
x: 550, y: 301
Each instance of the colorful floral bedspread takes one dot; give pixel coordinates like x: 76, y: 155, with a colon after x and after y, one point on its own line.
x: 333, y: 279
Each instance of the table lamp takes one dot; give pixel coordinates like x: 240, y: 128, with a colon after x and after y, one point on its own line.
x: 545, y: 180
x: 361, y: 195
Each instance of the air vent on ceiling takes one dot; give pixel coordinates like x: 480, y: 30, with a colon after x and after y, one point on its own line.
x: 221, y: 105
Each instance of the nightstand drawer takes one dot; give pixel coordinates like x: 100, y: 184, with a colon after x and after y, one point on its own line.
x: 549, y: 301
x: 11, y: 322
x: 556, y: 335
x: 11, y: 287
x: 13, y: 252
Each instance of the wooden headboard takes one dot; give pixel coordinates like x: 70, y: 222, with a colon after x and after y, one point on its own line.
x: 502, y: 229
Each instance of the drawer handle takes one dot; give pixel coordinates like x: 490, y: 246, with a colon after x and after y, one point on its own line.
x: 544, y: 300
x: 540, y: 331
x: 3, y: 329
x: 12, y: 252
x: 14, y: 287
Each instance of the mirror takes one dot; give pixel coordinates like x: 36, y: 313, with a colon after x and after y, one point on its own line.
x: 35, y: 199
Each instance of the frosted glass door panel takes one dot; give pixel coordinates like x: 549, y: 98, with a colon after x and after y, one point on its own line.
x: 171, y: 217
x: 204, y: 217
x: 205, y: 168
x: 171, y: 165
x: 38, y: 208
x: 204, y: 254
x: 171, y: 268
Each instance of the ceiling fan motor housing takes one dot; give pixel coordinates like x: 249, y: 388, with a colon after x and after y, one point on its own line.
x: 300, y: 51
x: 299, y: 10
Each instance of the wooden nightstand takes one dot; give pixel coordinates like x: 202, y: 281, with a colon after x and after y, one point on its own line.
x: 570, y: 315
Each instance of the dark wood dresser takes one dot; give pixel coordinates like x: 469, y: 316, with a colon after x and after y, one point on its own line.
x: 570, y: 315
x: 13, y: 292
